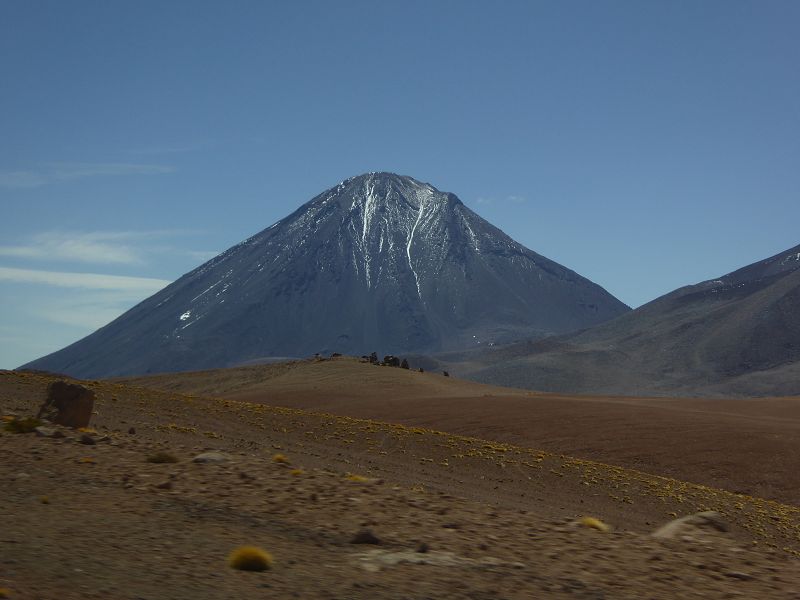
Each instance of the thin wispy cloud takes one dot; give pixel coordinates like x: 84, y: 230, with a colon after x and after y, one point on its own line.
x: 98, y: 248
x: 101, y: 247
x: 50, y: 173
x: 172, y: 149
x: 22, y: 179
x: 61, y: 307
x: 511, y: 199
x: 94, y: 281
x: 199, y: 255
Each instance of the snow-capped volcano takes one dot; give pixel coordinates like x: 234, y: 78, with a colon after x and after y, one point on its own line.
x: 380, y: 262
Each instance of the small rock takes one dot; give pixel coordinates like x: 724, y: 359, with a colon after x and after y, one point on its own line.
x: 87, y: 439
x: 166, y: 485
x: 365, y: 536
x: 211, y: 458
x: 691, y: 524
x: 739, y: 575
x: 132, y: 431
x: 423, y: 548
x: 46, y: 432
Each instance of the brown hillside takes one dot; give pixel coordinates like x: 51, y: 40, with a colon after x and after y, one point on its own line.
x: 751, y: 446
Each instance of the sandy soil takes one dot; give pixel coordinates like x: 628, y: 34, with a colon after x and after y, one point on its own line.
x: 100, y: 521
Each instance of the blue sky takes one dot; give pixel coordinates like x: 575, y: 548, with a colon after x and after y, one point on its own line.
x: 646, y: 145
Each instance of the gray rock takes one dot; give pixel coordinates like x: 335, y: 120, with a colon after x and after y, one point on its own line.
x: 739, y: 575
x: 211, y: 458
x: 48, y: 432
x: 692, y: 525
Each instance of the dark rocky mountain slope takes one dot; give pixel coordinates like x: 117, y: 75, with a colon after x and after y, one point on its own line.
x: 379, y: 262
x: 736, y: 335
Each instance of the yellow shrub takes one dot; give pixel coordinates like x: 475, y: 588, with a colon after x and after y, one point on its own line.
x: 280, y: 458
x: 593, y: 523
x: 26, y: 425
x: 250, y: 558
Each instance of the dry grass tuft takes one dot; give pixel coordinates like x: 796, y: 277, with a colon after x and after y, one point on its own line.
x: 26, y: 425
x: 250, y: 558
x: 162, y: 457
x: 356, y: 478
x: 5, y: 593
x: 592, y: 523
x: 280, y: 459
x: 297, y: 472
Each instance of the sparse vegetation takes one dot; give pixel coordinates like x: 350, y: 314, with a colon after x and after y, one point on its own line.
x: 250, y: 558
x: 280, y: 459
x: 26, y: 425
x: 162, y: 457
x: 593, y: 523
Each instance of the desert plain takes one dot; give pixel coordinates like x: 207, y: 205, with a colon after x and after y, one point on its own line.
x: 364, y: 481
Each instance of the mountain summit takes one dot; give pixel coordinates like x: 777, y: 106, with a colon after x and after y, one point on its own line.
x: 379, y: 262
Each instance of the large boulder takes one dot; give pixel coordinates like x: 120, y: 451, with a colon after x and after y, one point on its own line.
x: 68, y: 404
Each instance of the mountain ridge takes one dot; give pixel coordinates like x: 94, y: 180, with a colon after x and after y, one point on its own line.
x: 736, y: 334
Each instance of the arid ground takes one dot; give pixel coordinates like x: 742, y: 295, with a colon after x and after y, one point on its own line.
x: 466, y: 491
